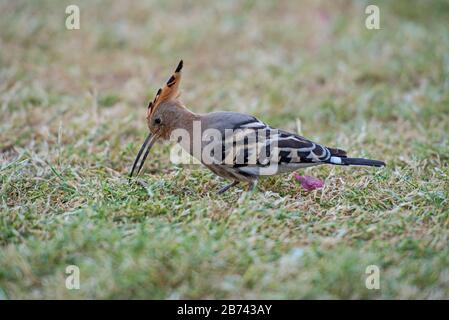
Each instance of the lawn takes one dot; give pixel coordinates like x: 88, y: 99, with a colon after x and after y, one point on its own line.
x: 72, y: 118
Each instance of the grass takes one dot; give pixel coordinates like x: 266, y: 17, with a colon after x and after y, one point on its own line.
x: 72, y: 119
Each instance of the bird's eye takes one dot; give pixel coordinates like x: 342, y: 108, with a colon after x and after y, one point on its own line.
x: 157, y: 121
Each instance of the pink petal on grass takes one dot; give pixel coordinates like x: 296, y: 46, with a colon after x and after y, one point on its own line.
x: 309, y: 183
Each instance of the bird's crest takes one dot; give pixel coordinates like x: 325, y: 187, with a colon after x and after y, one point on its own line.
x: 168, y: 92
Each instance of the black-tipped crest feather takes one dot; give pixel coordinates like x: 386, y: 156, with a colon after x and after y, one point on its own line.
x: 179, y: 67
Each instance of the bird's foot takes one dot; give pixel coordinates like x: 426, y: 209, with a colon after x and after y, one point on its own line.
x: 309, y: 183
x: 246, y: 195
x: 252, y: 186
x: 227, y: 187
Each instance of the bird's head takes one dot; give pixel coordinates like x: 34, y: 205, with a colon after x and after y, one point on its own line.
x: 162, y: 115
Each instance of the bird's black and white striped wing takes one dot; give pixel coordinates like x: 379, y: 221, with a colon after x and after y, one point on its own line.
x: 256, y: 145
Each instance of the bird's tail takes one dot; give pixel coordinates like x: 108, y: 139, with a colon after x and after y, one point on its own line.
x: 344, y: 161
x: 339, y: 157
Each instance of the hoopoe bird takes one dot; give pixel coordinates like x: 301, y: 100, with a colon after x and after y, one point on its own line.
x: 243, y: 149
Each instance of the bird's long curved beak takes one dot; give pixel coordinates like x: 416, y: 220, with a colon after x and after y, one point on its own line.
x: 149, y: 141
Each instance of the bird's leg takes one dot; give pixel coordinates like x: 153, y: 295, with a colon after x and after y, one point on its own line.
x: 227, y: 187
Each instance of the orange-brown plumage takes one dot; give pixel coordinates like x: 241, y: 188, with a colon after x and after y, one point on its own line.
x: 168, y: 92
